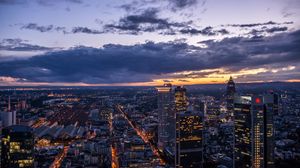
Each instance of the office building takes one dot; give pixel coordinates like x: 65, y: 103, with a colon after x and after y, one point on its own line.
x: 254, y: 131
x: 17, y: 143
x: 189, y: 142
x: 199, y: 106
x: 180, y: 99
x: 230, y: 91
x: 166, y: 118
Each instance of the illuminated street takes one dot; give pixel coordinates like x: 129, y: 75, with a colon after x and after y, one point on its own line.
x: 59, y: 158
x: 144, y: 138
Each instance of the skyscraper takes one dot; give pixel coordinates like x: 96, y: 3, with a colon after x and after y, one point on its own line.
x: 180, y: 99
x: 17, y: 143
x: 230, y: 91
x: 253, y: 146
x: 189, y: 128
x: 166, y: 118
x: 230, y: 87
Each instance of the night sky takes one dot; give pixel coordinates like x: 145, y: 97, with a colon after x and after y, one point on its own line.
x: 148, y: 42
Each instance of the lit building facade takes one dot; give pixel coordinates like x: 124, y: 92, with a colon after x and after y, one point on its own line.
x: 180, y: 99
x: 17, y: 143
x: 189, y: 142
x: 166, y: 118
x: 254, y: 131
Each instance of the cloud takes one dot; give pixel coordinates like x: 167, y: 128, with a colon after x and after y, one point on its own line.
x: 207, y: 31
x: 43, y: 29
x: 276, y: 29
x: 291, y: 8
x: 21, y: 45
x: 147, y: 21
x: 180, y: 4
x: 253, y: 24
x: 144, y: 62
x: 258, y: 24
x: 85, y: 30
x: 173, y: 5
x: 51, y: 28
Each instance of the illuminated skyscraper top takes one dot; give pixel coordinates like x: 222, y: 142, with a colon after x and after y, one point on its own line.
x: 180, y: 99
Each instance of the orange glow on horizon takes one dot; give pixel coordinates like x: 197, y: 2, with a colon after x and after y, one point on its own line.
x: 154, y: 83
x: 206, y: 76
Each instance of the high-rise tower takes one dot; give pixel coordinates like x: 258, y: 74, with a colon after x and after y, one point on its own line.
x: 230, y: 91
x: 254, y: 131
x: 166, y: 118
x: 189, y: 139
x: 180, y: 99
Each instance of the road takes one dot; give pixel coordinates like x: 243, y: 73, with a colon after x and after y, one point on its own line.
x: 59, y: 158
x: 143, y: 137
x: 114, y: 156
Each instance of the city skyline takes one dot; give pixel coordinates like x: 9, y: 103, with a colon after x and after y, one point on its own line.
x: 211, y: 126
x: 148, y: 42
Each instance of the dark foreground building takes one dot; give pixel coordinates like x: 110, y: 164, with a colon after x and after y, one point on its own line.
x: 17, y: 147
x: 189, y: 139
x: 254, y: 132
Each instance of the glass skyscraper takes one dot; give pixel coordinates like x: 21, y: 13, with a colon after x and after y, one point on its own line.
x: 254, y: 131
x: 189, y: 139
x: 166, y: 118
x: 180, y: 99
x: 230, y: 91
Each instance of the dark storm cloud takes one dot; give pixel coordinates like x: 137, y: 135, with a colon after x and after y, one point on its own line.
x: 147, y: 21
x: 21, y: 45
x: 142, y: 62
x: 85, y: 30
x: 43, y: 29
